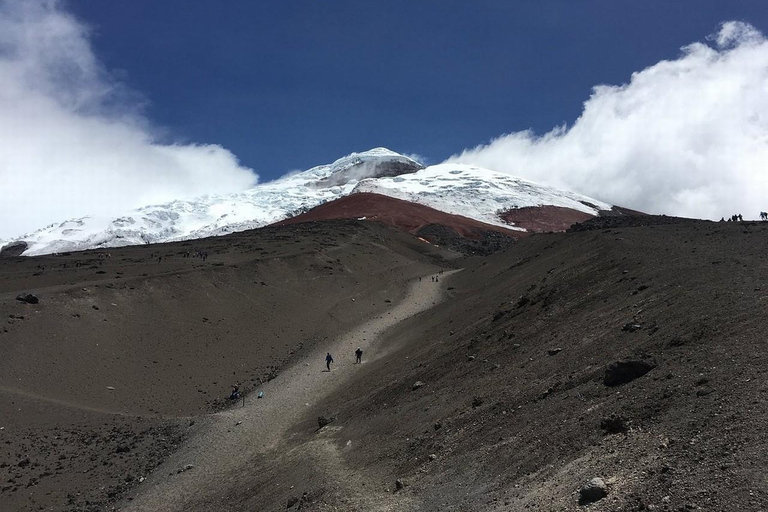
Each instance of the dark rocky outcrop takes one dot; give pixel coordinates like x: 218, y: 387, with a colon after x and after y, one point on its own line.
x: 28, y: 298
x: 622, y: 372
x: 13, y: 249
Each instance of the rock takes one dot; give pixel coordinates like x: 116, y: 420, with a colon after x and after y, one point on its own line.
x: 399, y: 485
x: 417, y: 385
x: 438, y: 425
x: 477, y: 401
x: 622, y: 372
x: 592, y: 491
x: 471, y: 358
x: 432, y: 456
x: 292, y: 501
x: 614, y: 424
x: 27, y: 298
x: 13, y: 249
x: 631, y: 327
x: 554, y: 351
x: 323, y: 421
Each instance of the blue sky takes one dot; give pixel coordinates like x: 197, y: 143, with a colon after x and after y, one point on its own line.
x: 105, y: 106
x: 291, y: 84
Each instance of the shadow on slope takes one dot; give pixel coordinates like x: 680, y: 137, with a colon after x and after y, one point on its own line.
x: 127, y: 347
x: 522, y: 401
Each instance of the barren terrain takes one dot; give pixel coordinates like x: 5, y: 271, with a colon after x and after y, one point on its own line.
x: 629, y: 350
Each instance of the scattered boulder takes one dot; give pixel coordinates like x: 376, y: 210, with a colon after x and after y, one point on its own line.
x: 477, y: 401
x: 323, y: 421
x: 292, y: 501
x: 614, y: 424
x: 417, y: 385
x: 632, y: 327
x: 554, y: 351
x: 592, y: 491
x: 27, y: 298
x: 622, y: 372
x: 399, y: 485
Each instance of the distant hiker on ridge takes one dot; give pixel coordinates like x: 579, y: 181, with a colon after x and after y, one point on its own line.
x: 358, y: 355
x: 328, y: 361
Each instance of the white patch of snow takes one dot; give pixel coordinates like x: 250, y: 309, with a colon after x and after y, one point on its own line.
x: 453, y: 188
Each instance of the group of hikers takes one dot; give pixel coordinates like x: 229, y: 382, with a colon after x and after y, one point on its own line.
x: 197, y: 254
x: 435, y: 278
x: 236, y: 395
x: 358, y: 358
x: 736, y: 217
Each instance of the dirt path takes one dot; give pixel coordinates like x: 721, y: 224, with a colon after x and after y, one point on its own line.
x: 235, y: 437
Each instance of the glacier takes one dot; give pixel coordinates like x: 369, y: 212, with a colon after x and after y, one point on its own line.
x: 459, y: 189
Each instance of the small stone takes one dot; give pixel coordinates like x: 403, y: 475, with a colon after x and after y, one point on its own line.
x: 399, y: 485
x: 432, y: 456
x: 323, y: 421
x: 592, y: 491
x: 417, y: 385
x: 554, y: 351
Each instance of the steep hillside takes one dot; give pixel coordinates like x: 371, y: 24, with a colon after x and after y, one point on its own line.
x: 440, y: 228
x: 630, y: 354
x: 126, y: 352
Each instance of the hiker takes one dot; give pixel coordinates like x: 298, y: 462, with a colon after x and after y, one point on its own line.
x: 235, y: 393
x: 328, y: 361
x: 358, y: 355
x: 740, y: 219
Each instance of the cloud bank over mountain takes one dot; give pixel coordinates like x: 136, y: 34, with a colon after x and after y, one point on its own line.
x: 73, y: 138
x: 685, y: 137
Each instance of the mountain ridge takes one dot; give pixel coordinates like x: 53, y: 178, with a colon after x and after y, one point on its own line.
x: 457, y: 189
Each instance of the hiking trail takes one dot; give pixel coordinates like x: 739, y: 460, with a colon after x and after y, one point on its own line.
x: 233, y: 438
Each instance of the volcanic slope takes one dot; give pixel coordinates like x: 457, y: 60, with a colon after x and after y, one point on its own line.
x: 471, y: 192
x: 128, y: 351
x: 507, y: 395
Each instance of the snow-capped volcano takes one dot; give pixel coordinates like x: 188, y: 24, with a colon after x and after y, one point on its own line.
x: 464, y: 190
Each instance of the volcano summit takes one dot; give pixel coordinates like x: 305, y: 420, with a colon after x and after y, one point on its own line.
x: 502, y: 202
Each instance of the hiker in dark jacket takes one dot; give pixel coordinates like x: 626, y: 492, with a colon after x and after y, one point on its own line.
x: 328, y: 361
x: 358, y: 355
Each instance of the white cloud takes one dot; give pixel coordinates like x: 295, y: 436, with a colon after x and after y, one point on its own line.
x: 73, y: 140
x: 684, y: 137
